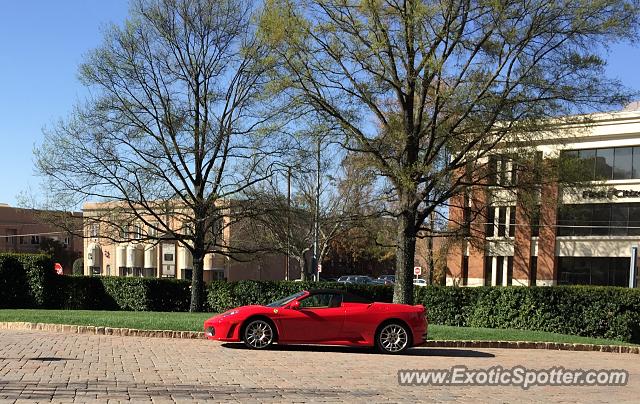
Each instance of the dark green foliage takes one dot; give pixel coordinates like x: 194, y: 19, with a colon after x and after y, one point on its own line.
x: 78, y: 266
x: 116, y: 293
x: 588, y: 311
x: 26, y: 280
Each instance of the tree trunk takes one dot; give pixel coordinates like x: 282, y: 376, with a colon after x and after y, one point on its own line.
x: 405, y: 256
x: 197, y: 281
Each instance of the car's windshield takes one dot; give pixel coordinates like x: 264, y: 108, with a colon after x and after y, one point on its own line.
x: 288, y: 299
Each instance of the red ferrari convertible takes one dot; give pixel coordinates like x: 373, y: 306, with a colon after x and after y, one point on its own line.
x: 323, y: 316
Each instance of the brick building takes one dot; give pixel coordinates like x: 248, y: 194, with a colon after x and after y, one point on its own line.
x: 579, y: 234
x: 26, y: 231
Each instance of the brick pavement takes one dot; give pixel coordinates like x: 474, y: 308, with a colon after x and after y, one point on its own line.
x: 45, y: 366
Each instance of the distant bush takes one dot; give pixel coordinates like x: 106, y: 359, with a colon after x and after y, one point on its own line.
x: 591, y: 311
x: 26, y: 280
x: 78, y: 266
x: 119, y: 293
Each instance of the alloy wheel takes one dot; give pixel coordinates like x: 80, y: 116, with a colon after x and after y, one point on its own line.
x: 393, y: 338
x: 258, y: 334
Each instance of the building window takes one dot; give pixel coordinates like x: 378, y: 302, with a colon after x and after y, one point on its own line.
x: 533, y: 270
x: 35, y: 239
x: 22, y: 240
x: 620, y: 163
x: 94, y: 230
x: 488, y: 270
x: 509, y: 271
x: 499, y: 270
x: 218, y: 275
x: 490, y: 225
x: 604, y: 271
x: 502, y: 221
x: 512, y: 221
x: 501, y: 170
x: 465, y: 270
x: 600, y: 219
x: 535, y: 221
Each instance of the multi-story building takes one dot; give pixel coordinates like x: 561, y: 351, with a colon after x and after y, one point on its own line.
x: 26, y: 231
x: 139, y: 250
x: 577, y: 234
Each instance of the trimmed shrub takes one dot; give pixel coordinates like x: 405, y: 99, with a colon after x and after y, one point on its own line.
x: 591, y: 311
x: 78, y: 266
x: 26, y: 280
x: 116, y: 293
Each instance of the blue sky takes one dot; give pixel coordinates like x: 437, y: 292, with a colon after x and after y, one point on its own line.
x: 41, y: 45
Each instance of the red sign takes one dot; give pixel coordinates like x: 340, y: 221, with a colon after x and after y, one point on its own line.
x: 58, y: 268
x: 417, y: 271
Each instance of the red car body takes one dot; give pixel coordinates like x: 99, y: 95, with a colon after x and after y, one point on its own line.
x: 346, y: 320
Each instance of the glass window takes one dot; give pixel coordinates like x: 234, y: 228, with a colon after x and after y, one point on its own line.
x: 535, y: 221
x: 512, y: 221
x: 636, y: 162
x: 499, y: 270
x: 600, y: 219
x: 533, y: 270
x: 502, y: 219
x: 604, y: 164
x: 491, y: 217
x: 619, y: 219
x: 488, y: 270
x: 587, y: 166
x: 622, y: 164
x: 634, y: 220
x: 321, y: 300
x: 509, y: 271
x: 582, y: 220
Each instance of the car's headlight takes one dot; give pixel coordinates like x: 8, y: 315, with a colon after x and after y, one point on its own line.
x: 230, y: 313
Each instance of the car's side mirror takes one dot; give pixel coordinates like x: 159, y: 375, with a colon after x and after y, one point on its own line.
x: 295, y: 305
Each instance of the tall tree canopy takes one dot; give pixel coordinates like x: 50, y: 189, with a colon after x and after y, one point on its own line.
x: 426, y: 89
x: 175, y: 127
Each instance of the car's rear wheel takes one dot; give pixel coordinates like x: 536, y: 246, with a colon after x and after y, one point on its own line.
x: 258, y: 334
x: 393, y: 338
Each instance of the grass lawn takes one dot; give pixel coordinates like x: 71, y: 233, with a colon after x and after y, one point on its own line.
x: 193, y: 322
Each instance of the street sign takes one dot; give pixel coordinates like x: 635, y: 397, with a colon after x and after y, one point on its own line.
x: 417, y: 271
x: 58, y: 268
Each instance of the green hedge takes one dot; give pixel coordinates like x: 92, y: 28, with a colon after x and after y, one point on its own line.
x: 29, y: 281
x: 590, y: 311
x: 26, y: 280
x: 117, y: 293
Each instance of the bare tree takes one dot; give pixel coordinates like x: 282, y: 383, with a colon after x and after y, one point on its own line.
x: 287, y: 225
x: 427, y: 89
x: 175, y: 128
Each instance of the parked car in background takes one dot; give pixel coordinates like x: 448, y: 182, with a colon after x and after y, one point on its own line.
x: 322, y: 316
x: 381, y: 282
x: 420, y: 282
x: 362, y: 279
x: 391, y: 278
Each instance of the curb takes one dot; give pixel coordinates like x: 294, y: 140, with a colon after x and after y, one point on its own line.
x: 132, y: 332
x: 556, y: 346
x: 89, y: 329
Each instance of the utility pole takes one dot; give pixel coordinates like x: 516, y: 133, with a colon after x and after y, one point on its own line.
x: 286, y: 274
x: 316, y: 221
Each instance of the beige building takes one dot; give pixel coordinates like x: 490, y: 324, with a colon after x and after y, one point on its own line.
x: 147, y: 253
x: 26, y: 231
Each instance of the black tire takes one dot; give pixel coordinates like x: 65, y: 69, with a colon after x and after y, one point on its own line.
x: 393, y: 338
x: 258, y: 334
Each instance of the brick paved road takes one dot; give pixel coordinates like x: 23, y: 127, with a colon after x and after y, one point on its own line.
x: 79, y: 368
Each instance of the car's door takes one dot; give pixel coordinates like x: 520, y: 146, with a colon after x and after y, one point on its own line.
x: 320, y: 317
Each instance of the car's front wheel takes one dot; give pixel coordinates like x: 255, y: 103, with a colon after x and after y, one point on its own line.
x: 258, y: 334
x: 393, y: 338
